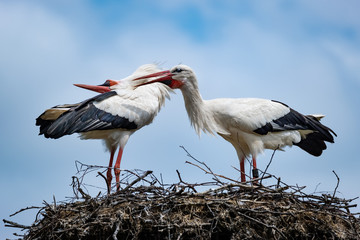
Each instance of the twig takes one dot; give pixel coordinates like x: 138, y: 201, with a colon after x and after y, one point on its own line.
x: 24, y: 209
x: 87, y: 168
x: 337, y: 184
x: 54, y: 201
x: 262, y: 223
x: 116, y: 231
x: 203, y: 163
x: 179, y: 176
x: 77, y: 188
x: 106, y: 182
x: 14, y: 224
x: 272, y: 156
x: 214, y: 174
x: 136, y: 180
x: 187, y: 184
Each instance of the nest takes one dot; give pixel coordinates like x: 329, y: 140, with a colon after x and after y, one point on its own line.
x: 145, y: 208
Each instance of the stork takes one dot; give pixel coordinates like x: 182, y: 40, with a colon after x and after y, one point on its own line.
x: 113, y: 116
x: 249, y: 124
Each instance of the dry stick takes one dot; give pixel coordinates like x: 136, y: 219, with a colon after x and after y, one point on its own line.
x: 133, y: 173
x: 76, y: 185
x: 203, y: 163
x: 116, y: 231
x: 214, y: 174
x: 38, y: 213
x: 19, y: 235
x: 106, y: 182
x: 248, y: 176
x: 14, y: 224
x: 272, y: 156
x: 54, y: 202
x: 228, y: 186
x: 187, y: 184
x: 262, y: 223
x: 337, y: 184
x: 209, y: 171
x: 73, y: 184
x: 278, y: 182
x: 24, y: 209
x: 86, y: 168
x: 179, y: 176
x: 137, y: 180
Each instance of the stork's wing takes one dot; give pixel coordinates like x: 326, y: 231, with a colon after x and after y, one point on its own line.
x: 294, y: 120
x: 263, y: 116
x: 82, y: 117
x: 246, y: 114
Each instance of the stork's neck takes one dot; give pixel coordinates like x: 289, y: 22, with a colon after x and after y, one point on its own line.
x: 200, y: 116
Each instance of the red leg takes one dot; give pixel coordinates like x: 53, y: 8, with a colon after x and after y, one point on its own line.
x: 254, y: 163
x: 242, y: 169
x: 117, y: 169
x: 108, y: 173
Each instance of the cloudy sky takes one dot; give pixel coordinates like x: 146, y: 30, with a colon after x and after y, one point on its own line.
x: 304, y: 53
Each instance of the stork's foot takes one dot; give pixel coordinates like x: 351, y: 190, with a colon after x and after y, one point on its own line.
x: 255, y: 173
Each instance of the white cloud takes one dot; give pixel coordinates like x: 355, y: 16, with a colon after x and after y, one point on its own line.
x: 347, y: 57
x: 33, y: 38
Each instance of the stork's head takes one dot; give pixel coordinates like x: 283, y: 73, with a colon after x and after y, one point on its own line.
x: 124, y: 83
x: 177, y: 77
x: 105, y: 87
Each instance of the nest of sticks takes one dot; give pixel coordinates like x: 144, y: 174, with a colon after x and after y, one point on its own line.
x: 146, y: 208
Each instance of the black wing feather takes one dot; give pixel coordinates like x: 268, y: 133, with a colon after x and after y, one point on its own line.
x: 83, y: 117
x: 314, y: 142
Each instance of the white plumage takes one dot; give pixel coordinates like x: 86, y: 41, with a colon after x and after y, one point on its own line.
x: 112, y: 116
x: 249, y: 124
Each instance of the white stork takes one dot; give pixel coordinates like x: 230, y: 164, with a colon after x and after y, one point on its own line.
x: 249, y: 124
x: 112, y: 116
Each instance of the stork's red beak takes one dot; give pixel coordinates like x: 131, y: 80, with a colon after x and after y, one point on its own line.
x: 158, y: 74
x: 103, y: 88
x: 165, y: 77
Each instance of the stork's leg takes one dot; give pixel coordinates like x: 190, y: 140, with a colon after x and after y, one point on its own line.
x: 255, y: 171
x: 117, y: 169
x: 242, y: 169
x: 108, y: 173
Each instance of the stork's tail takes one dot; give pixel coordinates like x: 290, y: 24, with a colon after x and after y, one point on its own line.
x: 314, y: 142
x: 47, y: 118
x: 316, y: 116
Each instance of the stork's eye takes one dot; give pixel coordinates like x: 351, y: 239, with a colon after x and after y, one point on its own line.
x: 178, y: 70
x: 109, y: 83
x: 106, y: 83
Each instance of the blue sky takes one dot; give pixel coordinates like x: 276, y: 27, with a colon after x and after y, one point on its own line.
x: 303, y: 53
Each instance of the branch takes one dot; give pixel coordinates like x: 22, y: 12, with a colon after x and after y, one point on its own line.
x: 106, y: 182
x: 203, y: 163
x: 76, y: 188
x: 272, y: 156
x: 214, y: 174
x: 187, y: 184
x: 14, y: 224
x: 24, y: 209
x: 337, y: 184
x: 137, y: 180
